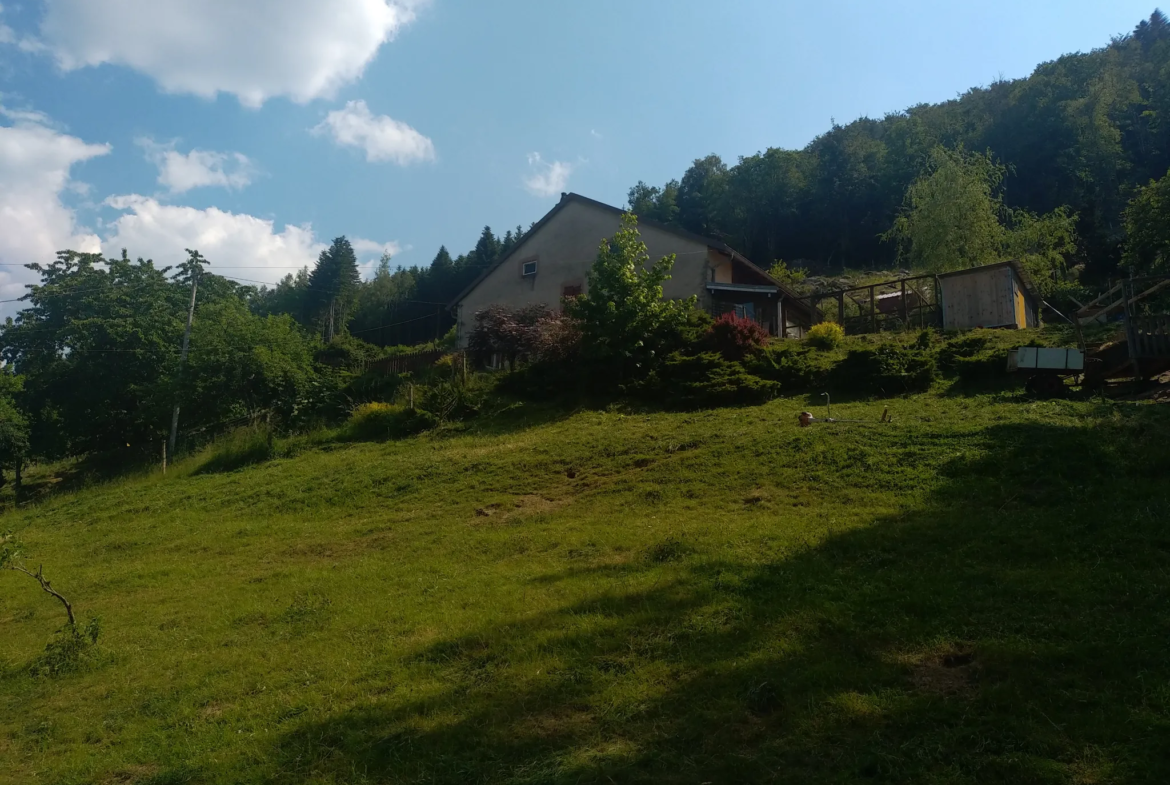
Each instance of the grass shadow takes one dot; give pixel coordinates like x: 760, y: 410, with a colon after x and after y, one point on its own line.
x: 1010, y: 628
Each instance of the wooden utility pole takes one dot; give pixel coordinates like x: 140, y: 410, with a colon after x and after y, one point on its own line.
x: 182, y: 362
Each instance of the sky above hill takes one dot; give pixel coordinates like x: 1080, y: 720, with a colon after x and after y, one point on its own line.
x: 257, y: 130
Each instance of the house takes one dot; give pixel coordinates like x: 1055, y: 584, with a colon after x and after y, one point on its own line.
x: 994, y: 295
x: 554, y: 258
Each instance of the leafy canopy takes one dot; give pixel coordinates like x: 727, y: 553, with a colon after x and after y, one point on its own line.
x: 623, y: 317
x: 1147, y: 226
x: 954, y: 217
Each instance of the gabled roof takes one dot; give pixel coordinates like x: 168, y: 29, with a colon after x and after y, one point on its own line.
x: 569, y: 198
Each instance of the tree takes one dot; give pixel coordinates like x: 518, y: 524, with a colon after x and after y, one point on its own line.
x: 1147, y: 228
x: 951, y: 216
x: 701, y: 195
x: 13, y: 426
x: 97, y: 346
x: 333, y: 286
x: 954, y: 217
x: 655, y: 204
x: 289, y: 296
x: 623, y: 319
x: 98, y: 349
x: 242, y: 364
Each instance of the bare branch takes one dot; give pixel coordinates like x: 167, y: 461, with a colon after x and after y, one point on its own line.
x: 47, y: 587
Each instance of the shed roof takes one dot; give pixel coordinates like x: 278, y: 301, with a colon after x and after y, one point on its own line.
x: 710, y: 242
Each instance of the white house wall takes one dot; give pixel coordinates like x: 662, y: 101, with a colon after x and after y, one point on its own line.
x: 564, y: 250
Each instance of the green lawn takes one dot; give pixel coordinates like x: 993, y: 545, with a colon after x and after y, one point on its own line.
x: 977, y: 592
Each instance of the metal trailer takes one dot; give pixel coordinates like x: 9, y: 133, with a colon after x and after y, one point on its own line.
x: 1046, y: 369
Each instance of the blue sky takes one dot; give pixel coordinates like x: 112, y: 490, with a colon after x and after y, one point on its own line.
x: 257, y: 130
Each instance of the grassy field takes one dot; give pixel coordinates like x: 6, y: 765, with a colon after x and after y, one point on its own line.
x: 977, y: 592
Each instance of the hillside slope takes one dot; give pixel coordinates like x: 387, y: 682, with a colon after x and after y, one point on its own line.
x: 979, y: 591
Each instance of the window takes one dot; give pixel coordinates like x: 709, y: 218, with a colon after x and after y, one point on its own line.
x: 569, y: 292
x: 528, y: 269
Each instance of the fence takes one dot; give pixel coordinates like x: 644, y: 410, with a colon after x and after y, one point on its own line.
x: 1151, y: 337
x: 406, y: 363
x: 890, y: 305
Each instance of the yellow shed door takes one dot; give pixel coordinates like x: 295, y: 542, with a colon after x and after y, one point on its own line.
x: 1021, y: 308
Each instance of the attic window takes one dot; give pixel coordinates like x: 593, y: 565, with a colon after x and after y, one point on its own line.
x: 528, y: 269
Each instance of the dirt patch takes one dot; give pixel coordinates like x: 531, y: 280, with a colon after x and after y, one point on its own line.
x: 515, y: 511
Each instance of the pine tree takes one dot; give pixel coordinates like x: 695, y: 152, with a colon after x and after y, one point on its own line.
x: 334, y: 286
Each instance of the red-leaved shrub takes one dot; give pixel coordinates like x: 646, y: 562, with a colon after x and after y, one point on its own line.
x: 533, y: 334
x: 735, y: 337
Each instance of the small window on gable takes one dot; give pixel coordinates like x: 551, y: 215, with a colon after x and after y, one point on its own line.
x: 569, y: 292
x: 528, y: 269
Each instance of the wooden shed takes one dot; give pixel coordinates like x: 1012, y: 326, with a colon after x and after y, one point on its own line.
x: 995, y: 295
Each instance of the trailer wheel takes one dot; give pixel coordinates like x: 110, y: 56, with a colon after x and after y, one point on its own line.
x: 1046, y: 386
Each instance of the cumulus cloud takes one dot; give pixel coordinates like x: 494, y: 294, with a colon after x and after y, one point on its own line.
x: 371, y: 249
x: 179, y: 173
x: 36, y: 160
x: 547, y: 179
x: 383, y: 138
x: 253, y: 49
x: 237, y: 245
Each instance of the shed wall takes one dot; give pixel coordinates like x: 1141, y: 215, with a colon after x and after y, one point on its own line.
x: 981, y: 298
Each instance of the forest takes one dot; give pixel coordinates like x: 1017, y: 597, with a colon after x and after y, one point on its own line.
x: 1066, y: 170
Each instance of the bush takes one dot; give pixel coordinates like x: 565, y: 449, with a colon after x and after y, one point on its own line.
x: 242, y: 447
x: 374, y: 421
x: 888, y: 370
x: 973, y: 359
x: 797, y: 369
x: 708, y: 379
x: 826, y: 335
x: 735, y: 337
x: 369, y: 387
x: 68, y: 651
x: 530, y: 333
x: 345, y: 351
x: 451, y: 400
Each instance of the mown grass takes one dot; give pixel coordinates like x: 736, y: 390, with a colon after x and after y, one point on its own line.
x: 977, y: 592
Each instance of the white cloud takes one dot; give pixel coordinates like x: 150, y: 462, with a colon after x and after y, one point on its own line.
x: 180, y: 173
x: 237, y: 245
x: 369, y: 254
x: 7, y: 34
x: 370, y: 249
x: 547, y: 179
x: 383, y: 138
x: 253, y: 49
x: 35, y: 165
x: 243, y: 245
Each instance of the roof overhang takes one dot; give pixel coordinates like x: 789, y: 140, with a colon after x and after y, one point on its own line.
x: 749, y: 288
